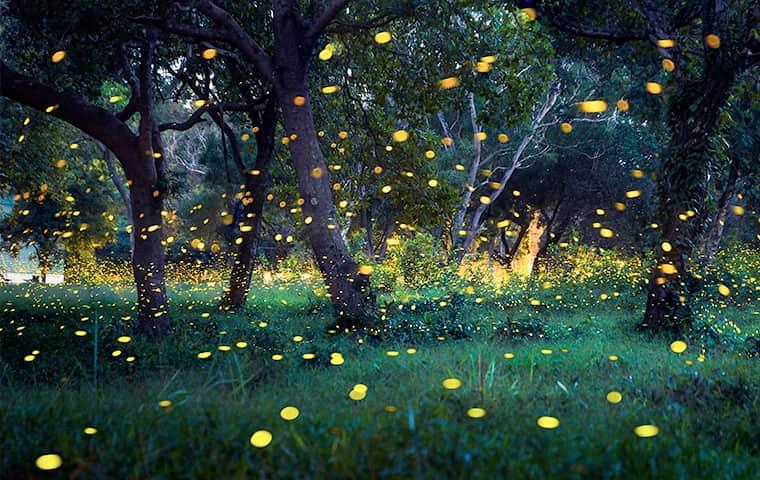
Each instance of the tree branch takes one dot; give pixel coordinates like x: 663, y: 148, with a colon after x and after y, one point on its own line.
x: 71, y: 108
x: 602, y: 33
x: 184, y: 30
x: 238, y: 37
x: 197, y: 116
x: 328, y: 15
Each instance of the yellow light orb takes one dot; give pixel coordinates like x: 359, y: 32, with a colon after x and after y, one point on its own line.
x: 614, y: 397
x: 654, y: 88
x: 289, y: 413
x: 49, y: 461
x: 366, y: 269
x: 209, y: 53
x: 646, y: 431
x: 712, y: 41
x: 383, y: 37
x: 261, y: 438
x: 400, y: 136
x: 530, y: 14
x: 449, y: 83
x: 592, y: 106
x: 327, y: 52
x: 451, y: 383
x: 548, y: 423
x: 679, y: 346
x: 476, y: 412
x: 58, y: 56
x: 357, y: 395
x: 566, y: 127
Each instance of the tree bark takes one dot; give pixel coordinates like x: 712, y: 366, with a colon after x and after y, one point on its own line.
x: 682, y: 187
x: 472, y: 175
x: 44, y: 261
x: 256, y: 184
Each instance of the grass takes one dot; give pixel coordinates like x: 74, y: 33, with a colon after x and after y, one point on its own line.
x: 704, y: 401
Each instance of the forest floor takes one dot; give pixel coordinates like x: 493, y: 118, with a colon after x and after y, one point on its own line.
x: 159, y: 411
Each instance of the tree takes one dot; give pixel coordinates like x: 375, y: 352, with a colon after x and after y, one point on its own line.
x: 259, y: 105
x: 57, y: 211
x: 139, y: 152
x: 704, y: 47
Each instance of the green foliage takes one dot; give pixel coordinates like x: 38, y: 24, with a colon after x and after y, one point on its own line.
x: 704, y: 410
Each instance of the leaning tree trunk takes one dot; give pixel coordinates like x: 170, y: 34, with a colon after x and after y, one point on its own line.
x: 682, y: 187
x: 718, y: 221
x: 256, y: 183
x: 349, y: 291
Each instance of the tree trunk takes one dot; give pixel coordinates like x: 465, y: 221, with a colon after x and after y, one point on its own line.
x: 148, y: 254
x: 147, y: 197
x: 367, y: 225
x: 349, y: 291
x: 472, y: 176
x: 682, y: 187
x: 43, y: 259
x: 517, y: 160
x: 256, y: 183
x: 140, y: 157
x: 533, y: 240
x: 718, y: 221
x: 390, y: 226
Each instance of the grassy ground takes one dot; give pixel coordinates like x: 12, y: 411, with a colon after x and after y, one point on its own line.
x: 566, y: 358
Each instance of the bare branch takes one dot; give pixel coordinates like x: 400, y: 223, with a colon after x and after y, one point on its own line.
x: 197, y: 116
x: 238, y: 37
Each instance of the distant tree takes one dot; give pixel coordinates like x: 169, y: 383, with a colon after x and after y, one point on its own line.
x: 60, y: 196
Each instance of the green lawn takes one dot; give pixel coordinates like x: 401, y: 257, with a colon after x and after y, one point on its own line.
x: 704, y: 401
